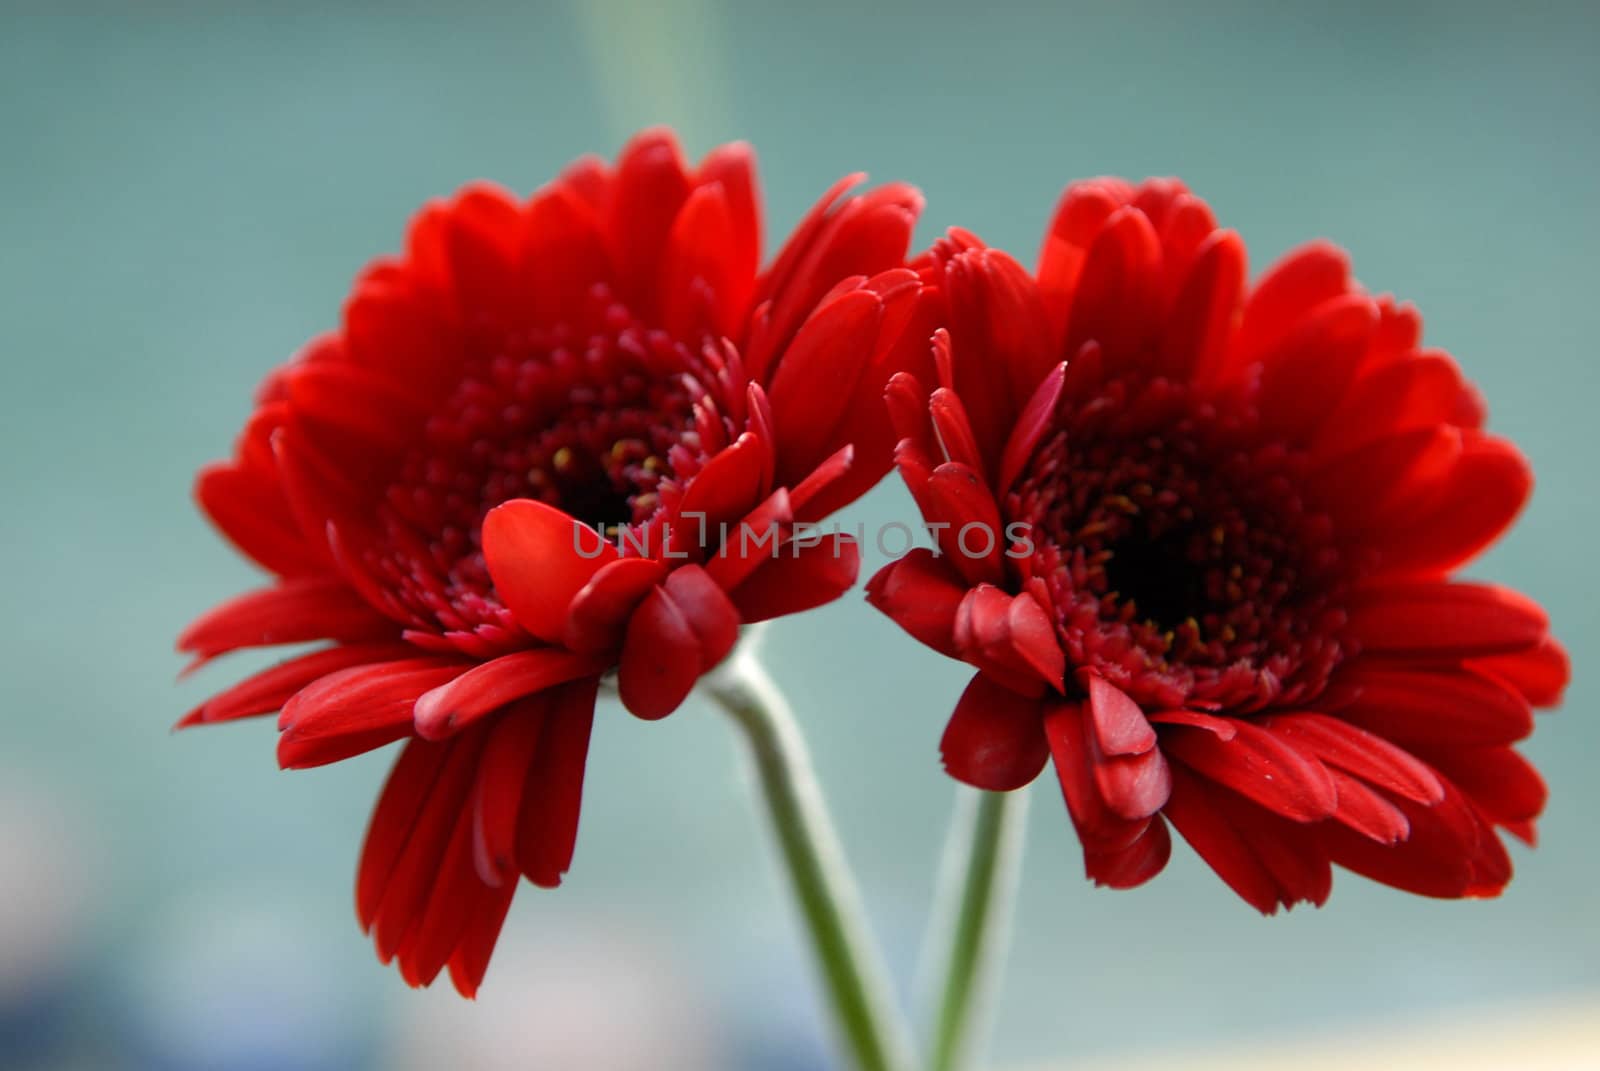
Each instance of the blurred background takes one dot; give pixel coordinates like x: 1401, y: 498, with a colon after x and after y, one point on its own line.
x: 187, y: 193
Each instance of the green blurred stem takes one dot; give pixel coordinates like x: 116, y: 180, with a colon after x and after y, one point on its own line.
x: 870, y: 1027
x: 977, y: 887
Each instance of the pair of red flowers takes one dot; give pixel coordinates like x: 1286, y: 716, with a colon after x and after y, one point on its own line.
x: 1212, y: 587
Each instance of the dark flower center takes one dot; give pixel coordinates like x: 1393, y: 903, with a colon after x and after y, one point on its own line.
x: 1183, y: 566
x: 601, y: 423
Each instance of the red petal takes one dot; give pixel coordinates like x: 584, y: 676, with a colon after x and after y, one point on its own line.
x: 449, y: 907
x: 820, y: 371
x: 647, y: 194
x: 292, y: 611
x: 1202, y: 316
x: 907, y: 400
x: 1290, y: 852
x: 1259, y: 765
x: 392, y: 321
x: 1481, y: 496
x: 497, y: 798
x: 588, y: 178
x: 268, y: 690
x: 975, y: 540
x: 547, y: 829
x: 709, y: 612
x: 362, y: 401
x: 486, y: 688
x: 798, y: 578
x: 1222, y: 728
x: 803, y: 238
x: 733, y: 167
x: 730, y: 486
x: 983, y: 637
x: 1134, y: 865
x: 318, y: 492
x: 1450, y: 852
x: 1119, y: 726
x: 355, y: 710
x: 995, y: 739
x: 998, y: 345
x: 400, y: 803
x: 1081, y: 213
x: 1414, y: 392
x: 1434, y: 706
x: 1445, y: 620
x: 481, y: 235
x: 1371, y: 758
x: 471, y: 959
x: 1305, y: 278
x: 1367, y: 812
x: 411, y: 878
x: 660, y: 658
x: 1539, y: 673
x: 1032, y: 636
x: 1192, y: 812
x: 1118, y: 292
x: 901, y: 345
x: 1037, y: 417
x: 1371, y: 488
x: 1132, y: 786
x: 822, y: 484
x: 250, y: 509
x: 1306, y: 374
x: 540, y: 558
x: 950, y: 424
x: 921, y: 593
x: 706, y: 280
x: 1101, y: 829
x: 866, y: 235
x: 564, y: 256
x: 1501, y: 782
x: 599, y: 611
x: 1186, y: 225
x: 752, y: 542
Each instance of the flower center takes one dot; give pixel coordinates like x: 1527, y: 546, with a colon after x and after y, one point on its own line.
x: 1184, y: 568
x: 600, y: 423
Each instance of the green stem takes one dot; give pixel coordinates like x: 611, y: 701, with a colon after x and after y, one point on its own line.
x: 973, y: 918
x: 871, y: 1028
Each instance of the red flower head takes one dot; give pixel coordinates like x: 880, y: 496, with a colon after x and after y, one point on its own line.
x: 1220, y: 597
x: 552, y: 439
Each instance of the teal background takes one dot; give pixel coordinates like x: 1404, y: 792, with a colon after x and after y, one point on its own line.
x: 187, y: 193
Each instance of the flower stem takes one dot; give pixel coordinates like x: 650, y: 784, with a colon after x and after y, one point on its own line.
x: 870, y: 1026
x: 977, y: 886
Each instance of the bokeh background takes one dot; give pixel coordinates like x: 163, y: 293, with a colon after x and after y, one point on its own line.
x: 187, y: 191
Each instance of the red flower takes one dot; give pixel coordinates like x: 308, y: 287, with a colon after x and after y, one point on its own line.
x: 507, y: 474
x: 1222, y: 598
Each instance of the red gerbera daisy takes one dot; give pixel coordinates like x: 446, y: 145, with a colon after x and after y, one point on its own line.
x: 552, y: 439
x: 1222, y: 594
